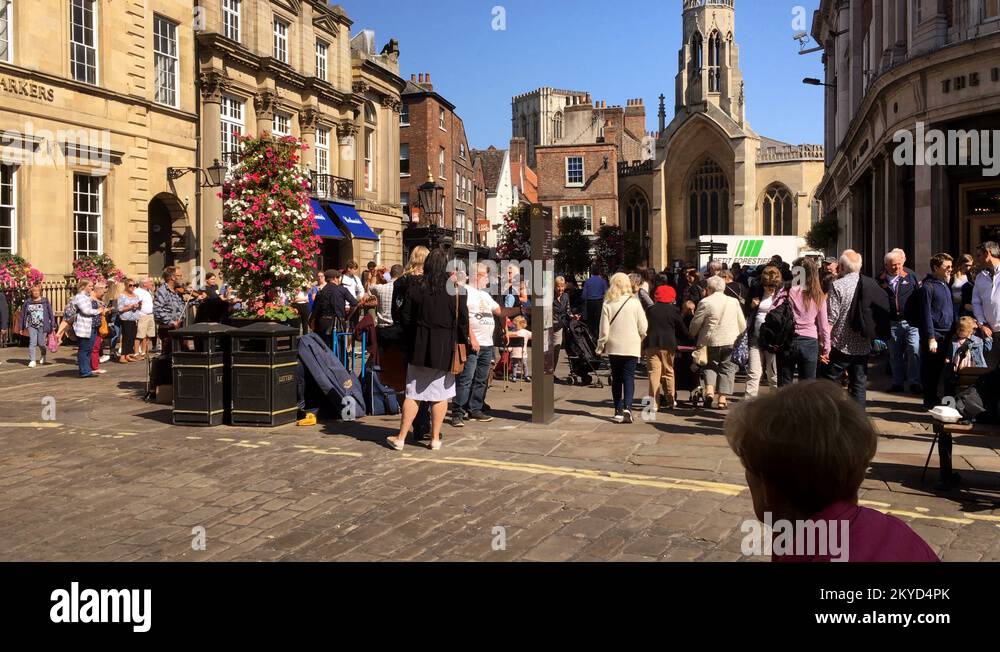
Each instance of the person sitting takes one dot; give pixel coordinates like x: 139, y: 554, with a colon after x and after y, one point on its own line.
x: 519, y: 354
x: 329, y: 313
x: 815, y: 479
x: 966, y: 351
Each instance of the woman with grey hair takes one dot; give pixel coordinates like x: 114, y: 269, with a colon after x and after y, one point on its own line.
x: 718, y: 322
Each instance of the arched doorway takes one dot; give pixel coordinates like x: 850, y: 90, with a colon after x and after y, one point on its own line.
x: 167, y: 236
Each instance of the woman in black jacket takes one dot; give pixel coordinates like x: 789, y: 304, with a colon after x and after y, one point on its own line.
x: 666, y: 329
x: 435, y: 317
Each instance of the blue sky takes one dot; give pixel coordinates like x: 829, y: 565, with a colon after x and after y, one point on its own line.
x: 627, y: 51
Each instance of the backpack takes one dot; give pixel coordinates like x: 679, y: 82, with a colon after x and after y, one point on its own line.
x: 778, y: 329
x: 380, y: 400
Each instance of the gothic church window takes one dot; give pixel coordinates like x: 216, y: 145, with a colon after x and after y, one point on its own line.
x: 708, y: 196
x: 778, y: 211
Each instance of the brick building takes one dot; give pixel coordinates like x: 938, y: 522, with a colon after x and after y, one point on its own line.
x: 579, y: 181
x: 433, y: 145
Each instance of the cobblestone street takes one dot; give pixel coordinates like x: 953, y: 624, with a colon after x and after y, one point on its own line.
x: 111, y: 479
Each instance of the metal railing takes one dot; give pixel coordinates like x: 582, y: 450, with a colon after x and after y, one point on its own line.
x: 327, y: 186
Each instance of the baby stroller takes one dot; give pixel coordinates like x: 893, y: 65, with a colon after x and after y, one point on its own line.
x: 581, y: 352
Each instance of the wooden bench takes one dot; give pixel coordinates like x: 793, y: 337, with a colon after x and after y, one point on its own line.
x: 944, y: 432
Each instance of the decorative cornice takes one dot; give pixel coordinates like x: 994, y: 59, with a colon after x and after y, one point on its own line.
x: 360, y: 87
x: 308, y: 118
x: 347, y: 130
x: 264, y: 103
x: 392, y: 103
x: 294, y: 6
x: 213, y: 84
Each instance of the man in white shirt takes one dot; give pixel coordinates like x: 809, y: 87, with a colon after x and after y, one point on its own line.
x: 986, y: 297
x: 146, y: 332
x: 383, y: 314
x: 470, y: 386
x: 352, y: 281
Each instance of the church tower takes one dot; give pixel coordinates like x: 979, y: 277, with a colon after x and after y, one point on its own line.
x: 709, y: 60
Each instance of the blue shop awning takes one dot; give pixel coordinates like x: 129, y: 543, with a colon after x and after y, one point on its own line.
x: 355, y: 224
x: 325, y: 228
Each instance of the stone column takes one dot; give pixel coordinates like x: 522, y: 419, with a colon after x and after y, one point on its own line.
x: 923, y: 209
x: 843, y: 71
x: 212, y: 84
x: 308, y: 119
x: 347, y: 139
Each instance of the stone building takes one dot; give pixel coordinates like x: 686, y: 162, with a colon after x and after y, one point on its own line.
x: 98, y: 100
x: 917, y: 71
x: 290, y: 67
x: 706, y: 172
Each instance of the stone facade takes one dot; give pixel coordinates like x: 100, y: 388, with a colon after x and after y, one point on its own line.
x: 86, y: 144
x: 897, y: 66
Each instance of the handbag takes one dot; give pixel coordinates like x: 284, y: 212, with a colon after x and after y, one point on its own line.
x: 103, y: 331
x: 459, y: 355
x: 700, y: 356
x: 15, y: 326
x: 53, y: 342
x: 741, y: 350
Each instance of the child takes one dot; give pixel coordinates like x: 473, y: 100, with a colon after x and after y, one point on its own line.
x: 519, y: 354
x: 968, y: 350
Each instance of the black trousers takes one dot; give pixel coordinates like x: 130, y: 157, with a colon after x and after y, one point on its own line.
x: 931, y: 368
x: 594, y: 308
x: 129, y: 330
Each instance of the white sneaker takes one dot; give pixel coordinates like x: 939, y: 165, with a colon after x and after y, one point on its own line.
x: 104, y: 358
x: 618, y: 418
x: 41, y: 362
x: 31, y: 365
x: 100, y: 371
x: 627, y: 416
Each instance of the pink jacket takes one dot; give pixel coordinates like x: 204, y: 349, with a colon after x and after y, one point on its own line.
x: 810, y: 321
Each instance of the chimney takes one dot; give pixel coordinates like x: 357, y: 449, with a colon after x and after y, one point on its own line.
x: 421, y: 78
x: 427, y: 82
x: 413, y: 78
x: 518, y: 150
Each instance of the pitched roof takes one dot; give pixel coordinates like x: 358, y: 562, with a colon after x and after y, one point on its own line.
x: 492, y: 161
x: 525, y: 180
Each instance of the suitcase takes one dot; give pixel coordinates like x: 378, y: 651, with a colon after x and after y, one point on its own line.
x: 334, y: 381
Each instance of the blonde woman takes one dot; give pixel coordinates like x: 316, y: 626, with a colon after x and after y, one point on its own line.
x: 623, y: 327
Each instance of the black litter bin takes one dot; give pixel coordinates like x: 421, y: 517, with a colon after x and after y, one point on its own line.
x: 199, y: 355
x: 264, y: 358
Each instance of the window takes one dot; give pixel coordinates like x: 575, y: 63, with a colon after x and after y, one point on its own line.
x: 637, y: 214
x: 460, y: 233
x: 458, y: 188
x: 697, y: 54
x: 404, y: 202
x: 83, y: 40
x: 581, y: 210
x: 991, y: 9
x: 574, y: 171
x: 86, y: 215
x: 280, y: 40
x: 708, y: 201
x: 441, y: 117
x: 778, y: 211
x: 6, y: 30
x: 231, y: 111
x: 918, y: 12
x: 441, y: 169
x: 461, y: 150
x: 321, y: 50
x: 404, y: 160
x: 557, y: 127
x: 281, y: 124
x: 322, y: 161
x: 8, y: 209
x: 370, y: 124
x: 165, y: 54
x: 404, y: 116
x: 714, y: 56
x: 231, y: 19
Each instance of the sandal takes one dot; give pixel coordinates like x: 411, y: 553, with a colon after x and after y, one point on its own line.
x: 722, y: 403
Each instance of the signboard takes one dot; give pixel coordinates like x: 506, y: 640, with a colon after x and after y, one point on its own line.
x: 749, y: 249
x: 542, y: 352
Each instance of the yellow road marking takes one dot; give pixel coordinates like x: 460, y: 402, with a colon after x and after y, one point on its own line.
x: 333, y: 453
x: 192, y: 438
x: 32, y: 424
x: 225, y: 439
x: 586, y: 474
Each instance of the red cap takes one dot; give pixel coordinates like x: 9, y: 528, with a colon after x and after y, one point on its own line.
x: 665, y: 294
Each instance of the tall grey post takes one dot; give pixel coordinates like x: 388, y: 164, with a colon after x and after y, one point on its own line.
x: 542, y: 353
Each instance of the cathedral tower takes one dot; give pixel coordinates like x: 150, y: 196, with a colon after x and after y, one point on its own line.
x: 709, y: 60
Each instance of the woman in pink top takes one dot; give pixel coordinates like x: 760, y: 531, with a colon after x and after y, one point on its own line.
x: 812, y: 328
x: 806, y: 449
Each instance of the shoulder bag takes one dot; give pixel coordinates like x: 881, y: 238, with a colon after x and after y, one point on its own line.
x: 459, y: 355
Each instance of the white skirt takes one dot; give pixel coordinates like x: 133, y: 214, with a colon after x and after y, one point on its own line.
x: 432, y: 385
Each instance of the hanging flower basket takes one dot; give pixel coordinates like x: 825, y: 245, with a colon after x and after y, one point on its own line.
x: 97, y: 269
x: 267, y: 240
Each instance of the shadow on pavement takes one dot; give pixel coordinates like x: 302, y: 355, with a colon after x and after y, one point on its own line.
x: 978, y: 490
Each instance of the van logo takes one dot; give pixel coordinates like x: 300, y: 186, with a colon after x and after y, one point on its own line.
x: 749, y: 248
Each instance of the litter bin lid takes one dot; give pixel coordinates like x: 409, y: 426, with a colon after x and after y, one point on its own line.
x: 202, y: 330
x: 264, y: 329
